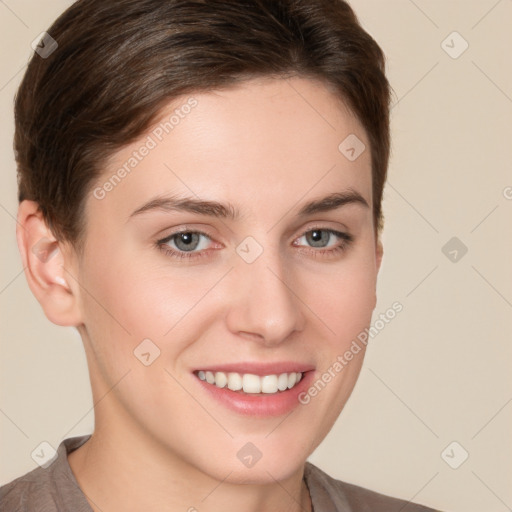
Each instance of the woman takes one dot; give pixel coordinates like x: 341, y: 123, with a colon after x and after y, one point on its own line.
x: 200, y: 189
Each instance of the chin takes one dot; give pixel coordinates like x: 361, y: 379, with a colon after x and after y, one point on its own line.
x: 273, y: 465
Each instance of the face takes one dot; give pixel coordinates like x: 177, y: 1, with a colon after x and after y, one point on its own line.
x: 182, y: 291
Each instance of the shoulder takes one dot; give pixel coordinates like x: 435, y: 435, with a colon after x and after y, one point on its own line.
x: 19, y: 494
x: 51, y: 487
x: 331, y: 495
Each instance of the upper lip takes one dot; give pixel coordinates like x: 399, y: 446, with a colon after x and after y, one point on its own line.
x: 260, y: 369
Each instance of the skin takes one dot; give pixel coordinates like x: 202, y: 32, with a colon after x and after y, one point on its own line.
x: 261, y: 147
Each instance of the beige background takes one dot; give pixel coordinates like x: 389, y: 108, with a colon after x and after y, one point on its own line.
x: 440, y: 371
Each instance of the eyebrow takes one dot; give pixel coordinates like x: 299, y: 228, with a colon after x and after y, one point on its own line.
x: 332, y: 202
x: 228, y: 211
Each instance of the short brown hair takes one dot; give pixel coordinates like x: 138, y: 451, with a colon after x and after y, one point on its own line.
x: 119, y: 62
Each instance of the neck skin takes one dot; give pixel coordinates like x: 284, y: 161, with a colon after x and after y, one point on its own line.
x: 120, y: 469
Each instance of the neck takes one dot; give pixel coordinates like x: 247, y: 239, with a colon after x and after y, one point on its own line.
x: 120, y: 470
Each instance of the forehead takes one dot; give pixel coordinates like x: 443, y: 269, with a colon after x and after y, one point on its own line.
x: 261, y: 144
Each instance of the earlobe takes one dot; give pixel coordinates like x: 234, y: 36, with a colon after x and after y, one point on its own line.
x: 44, y: 263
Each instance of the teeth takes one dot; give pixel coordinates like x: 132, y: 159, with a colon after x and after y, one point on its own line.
x: 251, y: 383
x: 234, y: 381
x: 282, y: 382
x: 221, y: 379
x: 269, y: 384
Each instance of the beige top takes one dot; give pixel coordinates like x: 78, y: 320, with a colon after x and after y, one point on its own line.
x: 55, y: 489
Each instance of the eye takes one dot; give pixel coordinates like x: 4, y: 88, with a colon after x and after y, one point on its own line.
x: 184, y: 244
x: 319, y: 238
x: 322, y: 238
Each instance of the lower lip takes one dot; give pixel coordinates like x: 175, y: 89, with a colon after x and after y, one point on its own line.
x: 263, y: 405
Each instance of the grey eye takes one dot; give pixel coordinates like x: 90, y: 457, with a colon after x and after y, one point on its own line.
x: 318, y: 237
x: 186, y: 241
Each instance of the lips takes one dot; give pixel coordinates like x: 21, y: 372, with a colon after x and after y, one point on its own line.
x: 256, y: 389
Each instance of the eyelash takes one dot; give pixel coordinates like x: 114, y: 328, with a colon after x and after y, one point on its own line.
x: 162, y: 244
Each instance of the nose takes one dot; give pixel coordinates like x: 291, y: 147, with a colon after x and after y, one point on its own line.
x: 264, y: 305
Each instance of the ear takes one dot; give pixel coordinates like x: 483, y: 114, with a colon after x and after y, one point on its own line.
x: 45, y: 260
x: 379, y: 251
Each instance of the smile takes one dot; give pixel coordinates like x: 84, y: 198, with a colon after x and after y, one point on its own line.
x: 250, y: 383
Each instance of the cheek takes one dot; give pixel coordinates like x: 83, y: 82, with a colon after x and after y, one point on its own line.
x: 135, y: 300
x: 343, y: 298
x: 159, y: 302
x: 143, y: 296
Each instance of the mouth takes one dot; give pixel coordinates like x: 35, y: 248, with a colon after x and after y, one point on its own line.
x: 255, y: 389
x: 250, y: 383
